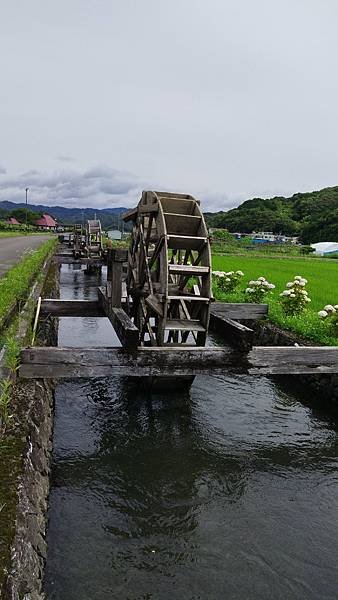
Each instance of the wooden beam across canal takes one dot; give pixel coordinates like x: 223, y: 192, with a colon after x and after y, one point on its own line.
x: 134, y: 361
x: 55, y: 362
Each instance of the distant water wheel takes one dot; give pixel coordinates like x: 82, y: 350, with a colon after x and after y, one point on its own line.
x: 169, y: 270
x: 93, y: 236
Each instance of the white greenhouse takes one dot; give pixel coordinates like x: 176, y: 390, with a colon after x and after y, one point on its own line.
x: 323, y: 248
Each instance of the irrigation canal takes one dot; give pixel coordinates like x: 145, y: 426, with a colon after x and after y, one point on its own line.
x: 230, y: 493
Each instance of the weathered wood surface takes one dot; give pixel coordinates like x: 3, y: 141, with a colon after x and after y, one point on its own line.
x: 293, y: 360
x: 245, y: 311
x: 69, y: 260
x: 125, y: 329
x: 71, y: 308
x: 235, y: 333
x: 101, y: 362
x: 172, y: 361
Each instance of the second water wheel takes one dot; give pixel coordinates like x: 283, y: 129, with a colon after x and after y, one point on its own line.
x: 169, y: 270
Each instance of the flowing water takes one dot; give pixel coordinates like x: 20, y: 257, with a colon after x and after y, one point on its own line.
x: 229, y: 492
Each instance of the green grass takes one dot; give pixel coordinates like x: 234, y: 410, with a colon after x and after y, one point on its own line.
x: 322, y: 276
x: 15, y: 284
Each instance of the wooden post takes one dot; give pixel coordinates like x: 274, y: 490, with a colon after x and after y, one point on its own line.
x: 119, y: 256
x: 109, y: 270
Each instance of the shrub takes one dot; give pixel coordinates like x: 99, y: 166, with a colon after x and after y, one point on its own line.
x: 330, y: 312
x: 295, y: 297
x: 256, y: 290
x: 227, y: 282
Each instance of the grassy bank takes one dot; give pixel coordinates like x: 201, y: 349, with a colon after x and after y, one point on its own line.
x: 15, y: 284
x: 14, y: 399
x: 4, y: 234
x: 322, y: 276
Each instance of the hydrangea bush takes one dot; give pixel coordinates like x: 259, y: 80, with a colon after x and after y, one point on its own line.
x: 227, y: 282
x: 256, y: 290
x: 330, y: 312
x: 295, y: 298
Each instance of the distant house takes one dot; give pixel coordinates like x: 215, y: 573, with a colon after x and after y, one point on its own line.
x: 12, y: 221
x: 114, y: 234
x: 46, y: 222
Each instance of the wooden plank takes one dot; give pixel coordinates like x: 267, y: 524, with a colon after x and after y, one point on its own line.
x: 245, y: 311
x: 70, y: 260
x: 125, y: 329
x: 235, y: 333
x: 155, y: 305
x: 71, y: 308
x: 130, y: 215
x: 188, y: 270
x: 148, y: 208
x: 184, y: 325
x: 186, y: 242
x: 100, y: 362
x: 293, y: 360
x: 176, y: 205
x: 182, y: 224
x: 188, y: 298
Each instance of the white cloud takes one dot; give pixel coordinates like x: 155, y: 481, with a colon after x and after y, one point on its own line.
x: 227, y: 96
x: 100, y: 187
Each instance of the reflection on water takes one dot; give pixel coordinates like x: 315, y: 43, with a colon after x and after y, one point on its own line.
x: 229, y: 492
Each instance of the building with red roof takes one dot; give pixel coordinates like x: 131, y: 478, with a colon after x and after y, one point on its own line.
x: 46, y: 222
x: 12, y: 221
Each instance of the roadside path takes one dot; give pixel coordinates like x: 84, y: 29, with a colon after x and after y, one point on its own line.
x: 12, y: 248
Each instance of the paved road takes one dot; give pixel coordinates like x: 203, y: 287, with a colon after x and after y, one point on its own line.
x: 12, y: 248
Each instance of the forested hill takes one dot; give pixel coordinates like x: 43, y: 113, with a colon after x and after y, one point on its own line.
x: 109, y: 217
x: 313, y: 216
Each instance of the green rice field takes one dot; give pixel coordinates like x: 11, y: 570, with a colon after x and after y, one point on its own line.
x: 322, y: 276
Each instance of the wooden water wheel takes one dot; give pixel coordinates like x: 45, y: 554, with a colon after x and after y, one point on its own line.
x: 169, y: 270
x: 93, y: 236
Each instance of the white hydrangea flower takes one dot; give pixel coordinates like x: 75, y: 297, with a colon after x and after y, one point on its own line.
x: 322, y: 314
x: 271, y: 286
x: 336, y: 306
x: 299, y: 277
x: 227, y: 279
x: 290, y: 284
x: 329, y: 308
x: 240, y: 273
x: 261, y: 279
x: 301, y: 283
x: 292, y: 295
x: 307, y: 299
x: 249, y: 290
x: 285, y: 293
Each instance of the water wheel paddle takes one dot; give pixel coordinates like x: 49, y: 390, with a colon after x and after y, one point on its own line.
x: 169, y: 270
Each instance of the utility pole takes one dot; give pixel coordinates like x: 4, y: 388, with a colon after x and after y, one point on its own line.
x: 26, y: 206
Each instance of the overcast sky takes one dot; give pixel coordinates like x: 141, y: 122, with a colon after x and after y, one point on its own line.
x: 224, y: 99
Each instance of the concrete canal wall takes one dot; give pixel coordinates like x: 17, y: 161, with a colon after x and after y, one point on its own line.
x: 34, y: 400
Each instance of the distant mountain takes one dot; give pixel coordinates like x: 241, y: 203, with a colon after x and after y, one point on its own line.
x: 312, y: 215
x: 109, y: 217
